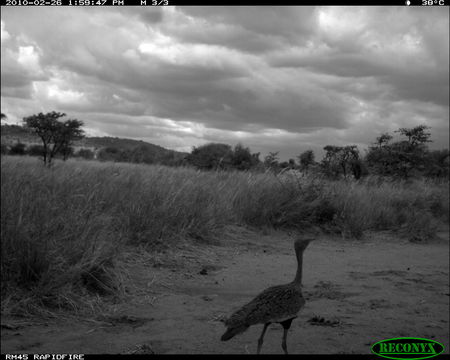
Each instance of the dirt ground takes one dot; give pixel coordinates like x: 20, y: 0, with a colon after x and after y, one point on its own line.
x: 357, y: 293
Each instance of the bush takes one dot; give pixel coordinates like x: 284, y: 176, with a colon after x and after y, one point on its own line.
x: 110, y: 153
x: 35, y: 150
x: 17, y: 149
x: 66, y: 151
x: 85, y: 154
x: 4, y: 149
x: 216, y: 156
x: 211, y: 156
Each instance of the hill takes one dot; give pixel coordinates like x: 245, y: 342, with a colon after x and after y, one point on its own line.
x: 11, y: 134
x: 120, y: 143
x: 109, y: 146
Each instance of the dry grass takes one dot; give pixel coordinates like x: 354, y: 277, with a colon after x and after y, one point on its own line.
x: 65, y: 229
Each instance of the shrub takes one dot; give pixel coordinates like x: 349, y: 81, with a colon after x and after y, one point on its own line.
x: 35, y: 150
x: 4, y: 149
x: 17, y: 149
x: 85, y: 154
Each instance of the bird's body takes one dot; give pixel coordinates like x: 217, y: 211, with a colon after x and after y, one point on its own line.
x: 276, y: 304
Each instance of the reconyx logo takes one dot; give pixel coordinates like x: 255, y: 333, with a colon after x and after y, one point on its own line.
x: 407, y: 348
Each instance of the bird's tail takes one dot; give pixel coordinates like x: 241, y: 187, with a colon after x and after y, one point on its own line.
x: 233, y: 331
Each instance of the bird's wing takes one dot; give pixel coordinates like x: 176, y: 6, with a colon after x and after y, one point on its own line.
x: 274, y: 304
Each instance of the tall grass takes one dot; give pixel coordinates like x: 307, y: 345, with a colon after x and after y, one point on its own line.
x: 414, y: 207
x: 64, y: 228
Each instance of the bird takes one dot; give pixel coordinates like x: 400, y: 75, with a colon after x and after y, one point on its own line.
x: 277, y: 304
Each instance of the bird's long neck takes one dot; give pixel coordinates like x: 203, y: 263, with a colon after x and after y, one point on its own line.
x: 298, y: 275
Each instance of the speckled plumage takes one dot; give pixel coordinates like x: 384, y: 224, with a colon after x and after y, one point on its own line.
x: 277, y: 304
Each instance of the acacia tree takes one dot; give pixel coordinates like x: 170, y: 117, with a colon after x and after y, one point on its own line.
x: 306, y: 159
x: 69, y: 131
x: 416, y: 135
x: 330, y: 162
x: 342, y: 159
x: 56, y: 136
x: 403, y: 157
x: 383, y: 140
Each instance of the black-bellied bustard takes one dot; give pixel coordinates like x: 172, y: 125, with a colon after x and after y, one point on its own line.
x: 277, y: 304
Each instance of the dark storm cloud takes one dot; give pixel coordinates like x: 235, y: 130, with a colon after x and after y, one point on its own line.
x: 249, y: 29
x: 265, y: 76
x: 149, y: 15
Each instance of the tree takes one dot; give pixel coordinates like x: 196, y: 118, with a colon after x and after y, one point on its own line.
x: 3, y: 116
x: 271, y: 160
x: 212, y: 156
x: 56, y: 136
x: 416, y: 135
x: 306, y: 159
x: 350, y: 160
x: 66, y: 151
x: 383, y: 140
x: 403, y: 157
x: 357, y: 167
x: 342, y: 159
x: 69, y: 131
x: 330, y: 161
x: 243, y: 159
x: 438, y: 163
x: 292, y: 163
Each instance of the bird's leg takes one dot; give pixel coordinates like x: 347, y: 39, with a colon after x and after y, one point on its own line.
x: 260, y: 340
x: 286, y: 325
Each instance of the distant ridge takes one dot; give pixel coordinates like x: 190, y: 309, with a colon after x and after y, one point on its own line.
x: 122, y: 143
x: 10, y: 134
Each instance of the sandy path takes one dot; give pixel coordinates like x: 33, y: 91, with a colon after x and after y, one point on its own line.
x: 369, y: 290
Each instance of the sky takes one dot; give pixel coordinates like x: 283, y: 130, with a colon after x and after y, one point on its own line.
x: 284, y: 79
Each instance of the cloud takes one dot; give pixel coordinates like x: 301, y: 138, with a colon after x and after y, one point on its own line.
x: 274, y: 78
x: 243, y: 28
x: 4, y: 34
